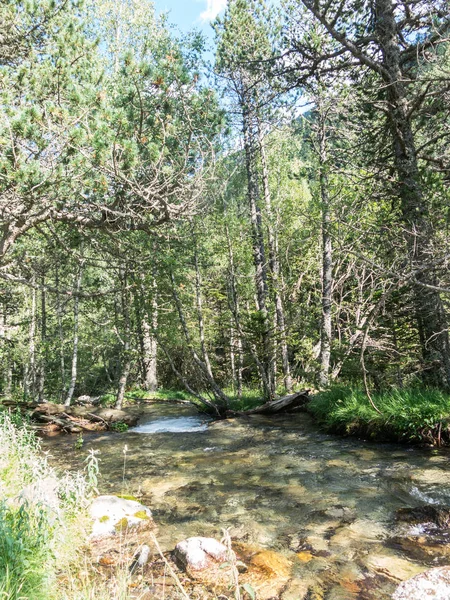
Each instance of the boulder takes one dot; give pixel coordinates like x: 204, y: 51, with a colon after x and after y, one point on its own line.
x: 199, y: 553
x: 113, y: 415
x: 433, y: 584
x: 205, y: 560
x: 47, y: 408
x: 112, y: 514
x: 78, y: 411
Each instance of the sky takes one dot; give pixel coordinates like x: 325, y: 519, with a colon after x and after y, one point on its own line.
x: 189, y: 14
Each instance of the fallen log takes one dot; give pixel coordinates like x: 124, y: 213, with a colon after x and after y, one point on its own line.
x: 280, y: 405
x: 64, y: 425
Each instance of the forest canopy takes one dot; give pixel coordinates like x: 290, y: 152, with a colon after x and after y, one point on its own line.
x: 281, y: 223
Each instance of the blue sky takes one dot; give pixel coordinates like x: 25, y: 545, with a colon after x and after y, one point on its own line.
x: 189, y: 14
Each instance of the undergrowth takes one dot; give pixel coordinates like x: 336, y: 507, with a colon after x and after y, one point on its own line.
x: 411, y: 414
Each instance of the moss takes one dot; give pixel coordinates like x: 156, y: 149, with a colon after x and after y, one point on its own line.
x: 141, y: 514
x: 122, y: 524
x: 127, y: 497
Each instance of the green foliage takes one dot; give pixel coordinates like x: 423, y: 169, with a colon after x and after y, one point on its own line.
x: 250, y: 398
x: 25, y: 553
x: 413, y: 414
x: 119, y: 426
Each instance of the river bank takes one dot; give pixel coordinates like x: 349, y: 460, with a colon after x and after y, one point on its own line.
x: 417, y: 415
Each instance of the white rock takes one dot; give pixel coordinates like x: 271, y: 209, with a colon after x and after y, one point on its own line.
x: 198, y: 553
x: 433, y: 584
x: 109, y: 511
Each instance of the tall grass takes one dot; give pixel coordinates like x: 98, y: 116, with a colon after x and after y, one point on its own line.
x: 25, y: 553
x: 35, y: 540
x: 414, y: 414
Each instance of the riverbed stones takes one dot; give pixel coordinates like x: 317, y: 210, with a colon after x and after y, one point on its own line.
x: 268, y: 571
x: 205, y: 560
x: 200, y: 553
x: 436, y: 514
x: 392, y: 566
x: 113, y: 514
x: 433, y: 584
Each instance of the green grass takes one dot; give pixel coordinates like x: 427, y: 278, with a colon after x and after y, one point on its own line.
x: 109, y: 400
x: 25, y: 550
x: 34, y: 540
x: 250, y: 398
x: 413, y: 414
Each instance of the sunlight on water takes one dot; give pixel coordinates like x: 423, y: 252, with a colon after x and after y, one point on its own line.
x: 173, y: 425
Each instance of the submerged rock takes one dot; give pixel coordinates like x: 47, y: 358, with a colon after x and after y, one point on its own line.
x: 433, y: 584
x: 426, y: 545
x: 113, y: 514
x: 392, y: 566
x: 439, y: 515
x: 268, y: 571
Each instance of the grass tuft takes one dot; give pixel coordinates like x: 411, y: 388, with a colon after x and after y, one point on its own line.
x: 412, y: 414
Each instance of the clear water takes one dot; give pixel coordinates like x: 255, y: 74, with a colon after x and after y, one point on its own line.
x: 326, y: 502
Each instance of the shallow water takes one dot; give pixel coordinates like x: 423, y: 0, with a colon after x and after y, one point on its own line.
x: 184, y: 424
x: 326, y: 502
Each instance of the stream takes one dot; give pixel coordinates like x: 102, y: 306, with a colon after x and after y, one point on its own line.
x: 325, y: 502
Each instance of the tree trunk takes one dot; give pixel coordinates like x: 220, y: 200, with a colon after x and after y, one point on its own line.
x: 274, y: 266
x: 220, y: 397
x: 327, y: 252
x: 201, y: 324
x: 429, y: 309
x: 5, y: 337
x: 126, y: 352
x: 61, y: 336
x: 258, y: 248
x: 43, y: 353
x: 149, y: 325
x: 76, y: 312
x: 30, y: 372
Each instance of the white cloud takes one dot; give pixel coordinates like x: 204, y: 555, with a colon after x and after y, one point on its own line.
x: 213, y: 8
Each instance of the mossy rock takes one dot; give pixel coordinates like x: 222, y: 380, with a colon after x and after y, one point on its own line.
x: 122, y: 524
x: 127, y: 497
x: 141, y: 514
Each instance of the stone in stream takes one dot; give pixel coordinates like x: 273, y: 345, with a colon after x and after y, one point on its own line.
x: 200, y: 553
x: 433, y: 584
x: 268, y: 571
x: 205, y: 560
x: 113, y: 415
x: 112, y: 514
x: 439, y: 515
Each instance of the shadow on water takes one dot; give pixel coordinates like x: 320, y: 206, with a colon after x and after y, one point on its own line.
x: 326, y: 502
